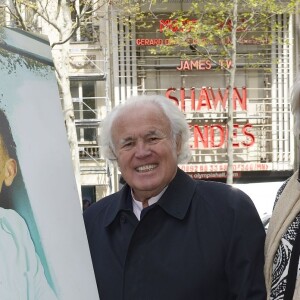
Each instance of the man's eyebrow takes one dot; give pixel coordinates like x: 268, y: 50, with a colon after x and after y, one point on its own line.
x: 152, y: 132
x: 155, y: 132
x: 126, y: 139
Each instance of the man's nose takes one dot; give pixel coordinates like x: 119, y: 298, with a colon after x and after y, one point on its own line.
x: 142, y: 149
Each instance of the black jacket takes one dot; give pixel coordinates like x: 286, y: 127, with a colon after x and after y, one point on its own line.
x: 201, y: 240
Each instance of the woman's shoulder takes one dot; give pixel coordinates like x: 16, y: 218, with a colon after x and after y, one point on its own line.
x: 280, y: 190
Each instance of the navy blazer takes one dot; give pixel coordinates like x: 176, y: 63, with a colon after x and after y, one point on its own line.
x: 201, y: 240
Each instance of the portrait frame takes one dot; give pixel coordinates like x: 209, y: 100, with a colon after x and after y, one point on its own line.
x: 44, y: 192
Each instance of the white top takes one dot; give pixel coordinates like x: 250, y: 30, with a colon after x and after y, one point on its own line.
x: 21, y: 272
x: 138, y: 205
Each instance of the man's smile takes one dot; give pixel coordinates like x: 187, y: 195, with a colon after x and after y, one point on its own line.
x: 146, y: 168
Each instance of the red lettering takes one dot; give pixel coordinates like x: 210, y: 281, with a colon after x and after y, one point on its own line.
x: 218, y: 98
x: 237, y: 97
x: 194, y: 64
x: 220, y: 130
x: 225, y: 64
x: 182, y: 98
x: 215, y: 136
x: 164, y: 24
x: 203, y: 96
x: 210, y: 99
x: 208, y: 64
x: 149, y: 42
x: 168, y: 95
x: 249, y: 135
x: 202, y: 136
x: 192, y: 98
x: 228, y: 64
x: 175, y: 25
x: 201, y: 65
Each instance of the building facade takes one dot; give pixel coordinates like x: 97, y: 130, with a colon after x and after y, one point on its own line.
x: 112, y: 60
x: 263, y: 141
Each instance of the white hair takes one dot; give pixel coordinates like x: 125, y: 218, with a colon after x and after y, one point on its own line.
x: 295, y: 105
x: 179, y: 126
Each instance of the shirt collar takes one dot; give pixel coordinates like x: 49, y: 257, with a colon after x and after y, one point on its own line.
x: 138, y: 205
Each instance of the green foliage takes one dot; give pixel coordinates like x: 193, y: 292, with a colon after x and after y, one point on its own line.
x: 206, y: 27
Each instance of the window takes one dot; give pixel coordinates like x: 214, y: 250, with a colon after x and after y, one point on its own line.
x: 83, y: 93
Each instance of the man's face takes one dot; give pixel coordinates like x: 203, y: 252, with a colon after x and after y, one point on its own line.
x: 8, y: 167
x: 145, y: 150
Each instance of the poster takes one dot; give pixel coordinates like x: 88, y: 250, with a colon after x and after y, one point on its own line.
x: 43, y: 247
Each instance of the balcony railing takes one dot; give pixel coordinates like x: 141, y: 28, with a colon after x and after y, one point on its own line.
x: 89, y: 152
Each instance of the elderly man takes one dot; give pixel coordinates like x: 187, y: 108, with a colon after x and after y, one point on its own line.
x: 164, y: 235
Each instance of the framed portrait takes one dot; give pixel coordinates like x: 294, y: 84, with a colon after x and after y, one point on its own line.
x: 44, y: 251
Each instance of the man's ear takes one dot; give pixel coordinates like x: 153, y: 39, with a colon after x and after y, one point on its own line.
x: 10, y: 171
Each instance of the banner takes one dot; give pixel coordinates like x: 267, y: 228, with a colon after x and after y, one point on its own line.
x: 43, y: 247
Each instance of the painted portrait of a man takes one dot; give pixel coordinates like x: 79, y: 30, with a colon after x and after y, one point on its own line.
x: 21, y: 274
x: 44, y: 251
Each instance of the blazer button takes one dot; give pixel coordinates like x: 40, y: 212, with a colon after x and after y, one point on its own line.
x: 122, y: 219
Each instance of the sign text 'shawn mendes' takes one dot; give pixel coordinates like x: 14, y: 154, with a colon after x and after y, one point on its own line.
x: 207, y: 100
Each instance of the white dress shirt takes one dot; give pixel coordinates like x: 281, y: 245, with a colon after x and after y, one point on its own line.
x: 21, y: 272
